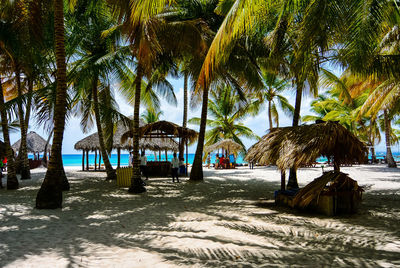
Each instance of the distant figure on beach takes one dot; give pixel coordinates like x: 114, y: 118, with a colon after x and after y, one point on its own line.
x: 175, y: 166
x: 222, y: 161
x: 208, y: 161
x: 251, y: 164
x: 143, y: 165
x: 130, y: 163
x: 216, y: 161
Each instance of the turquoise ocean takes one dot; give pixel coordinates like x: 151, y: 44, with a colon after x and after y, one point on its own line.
x: 76, y: 159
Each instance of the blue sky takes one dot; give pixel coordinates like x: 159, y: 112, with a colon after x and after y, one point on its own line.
x: 259, y: 124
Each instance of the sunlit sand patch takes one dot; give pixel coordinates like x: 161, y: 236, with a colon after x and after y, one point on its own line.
x: 47, y: 259
x: 9, y: 228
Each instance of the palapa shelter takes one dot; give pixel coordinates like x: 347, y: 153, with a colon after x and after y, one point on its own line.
x: 91, y: 143
x: 227, y: 144
x: 292, y: 147
x: 164, y: 130
x: 35, y: 144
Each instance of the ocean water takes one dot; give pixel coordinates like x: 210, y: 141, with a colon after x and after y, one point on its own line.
x: 76, y: 159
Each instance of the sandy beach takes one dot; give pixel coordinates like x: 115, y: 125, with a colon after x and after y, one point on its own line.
x: 229, y: 220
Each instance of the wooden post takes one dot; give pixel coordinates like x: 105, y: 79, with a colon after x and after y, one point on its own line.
x: 119, y: 157
x: 99, y: 161
x: 87, y: 159
x: 83, y: 160
x: 159, y: 155
x: 283, y: 178
x: 95, y: 159
x: 166, y: 155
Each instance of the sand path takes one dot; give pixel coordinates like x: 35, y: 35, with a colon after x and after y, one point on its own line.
x: 227, y: 221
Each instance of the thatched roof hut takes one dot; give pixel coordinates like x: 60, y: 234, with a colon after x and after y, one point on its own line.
x: 35, y: 143
x: 289, y: 147
x: 227, y: 144
x: 162, y: 129
x: 91, y: 143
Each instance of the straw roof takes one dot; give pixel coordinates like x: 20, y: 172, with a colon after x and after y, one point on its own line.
x: 294, y: 146
x: 162, y: 129
x: 34, y: 142
x: 338, y: 183
x: 227, y: 144
x: 92, y: 143
x: 159, y: 144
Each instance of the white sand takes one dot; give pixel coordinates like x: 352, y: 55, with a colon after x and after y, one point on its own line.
x: 227, y: 221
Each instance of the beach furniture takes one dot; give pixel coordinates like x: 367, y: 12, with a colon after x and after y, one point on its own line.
x: 294, y: 147
x: 331, y: 194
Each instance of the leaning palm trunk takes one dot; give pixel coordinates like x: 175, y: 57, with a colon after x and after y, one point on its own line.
x: 22, y: 154
x: 12, y: 181
x: 292, y: 181
x: 111, y: 175
x: 196, y: 174
x: 136, y: 181
x: 388, y: 129
x: 50, y: 193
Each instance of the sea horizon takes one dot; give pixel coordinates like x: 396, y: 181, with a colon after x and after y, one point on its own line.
x: 76, y: 159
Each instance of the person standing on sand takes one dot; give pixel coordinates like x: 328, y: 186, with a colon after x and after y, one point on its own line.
x: 175, y: 166
x: 143, y: 165
x: 208, y: 161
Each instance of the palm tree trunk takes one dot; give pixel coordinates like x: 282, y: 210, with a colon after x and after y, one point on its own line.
x: 196, y: 173
x: 12, y: 181
x: 388, y: 129
x: 136, y: 181
x: 292, y: 181
x: 22, y: 154
x: 111, y: 175
x: 50, y: 193
x: 373, y: 154
x: 269, y: 115
x: 185, y: 111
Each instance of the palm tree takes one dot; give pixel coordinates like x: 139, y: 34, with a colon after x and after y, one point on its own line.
x: 12, y: 181
x: 99, y: 58
x: 226, y: 111
x: 50, y: 193
x: 270, y: 95
x: 150, y: 38
x: 151, y: 115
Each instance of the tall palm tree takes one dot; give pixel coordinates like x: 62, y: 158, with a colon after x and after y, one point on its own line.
x: 50, y: 192
x: 150, y: 38
x: 99, y: 59
x: 271, y: 95
x: 226, y: 113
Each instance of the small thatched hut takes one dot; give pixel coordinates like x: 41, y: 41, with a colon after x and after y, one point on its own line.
x: 164, y: 130
x: 91, y: 143
x: 292, y: 147
x: 34, y: 142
